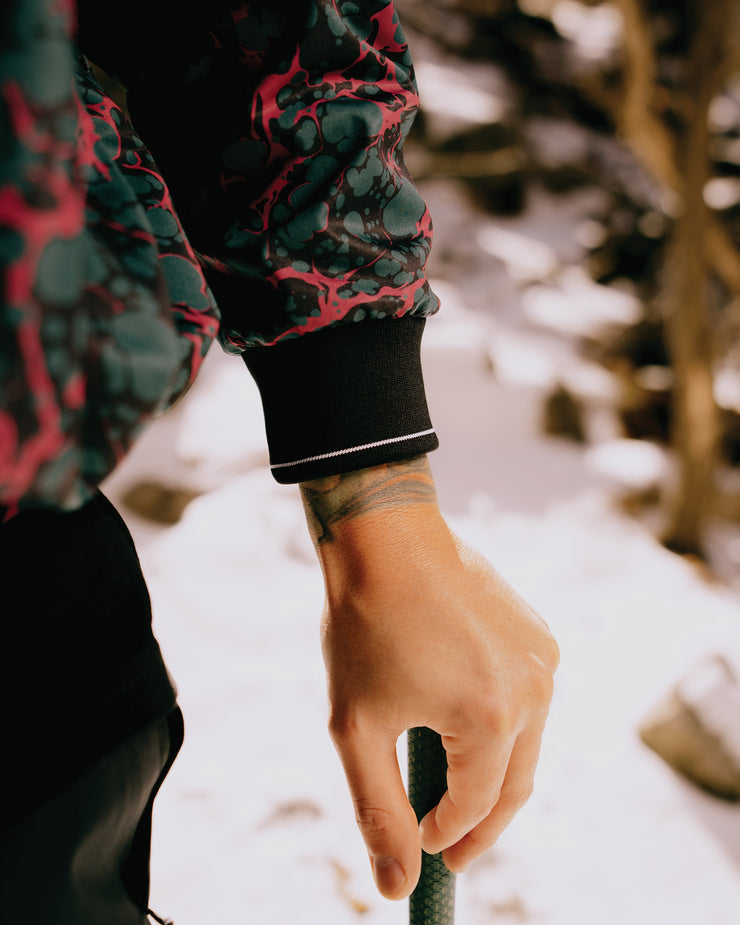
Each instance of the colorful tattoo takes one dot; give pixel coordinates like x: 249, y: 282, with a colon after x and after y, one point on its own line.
x: 332, y: 500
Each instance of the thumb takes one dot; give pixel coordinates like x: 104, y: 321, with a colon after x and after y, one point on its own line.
x: 383, y: 813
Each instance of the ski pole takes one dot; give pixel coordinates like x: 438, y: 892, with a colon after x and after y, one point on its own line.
x: 433, y: 900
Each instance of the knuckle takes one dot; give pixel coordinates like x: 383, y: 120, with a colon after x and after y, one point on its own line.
x: 541, y: 681
x: 553, y: 654
x: 479, y: 809
x: 547, y: 656
x: 476, y: 842
x: 372, y: 821
x: 337, y: 726
x: 468, y: 812
x: 499, y: 715
x: 342, y: 725
x: 487, y: 708
x: 516, y: 797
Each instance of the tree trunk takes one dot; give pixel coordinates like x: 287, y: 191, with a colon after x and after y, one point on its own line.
x: 685, y: 291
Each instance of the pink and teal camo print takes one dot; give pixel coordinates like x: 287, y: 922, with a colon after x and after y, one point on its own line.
x: 104, y: 312
x: 294, y: 191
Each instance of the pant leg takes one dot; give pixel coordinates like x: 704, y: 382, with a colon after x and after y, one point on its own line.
x: 135, y: 870
x: 80, y: 669
x: 82, y: 857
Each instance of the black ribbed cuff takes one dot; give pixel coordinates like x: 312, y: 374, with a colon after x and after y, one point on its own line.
x: 344, y: 398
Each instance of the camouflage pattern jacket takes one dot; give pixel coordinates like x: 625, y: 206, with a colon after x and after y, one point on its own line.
x: 287, y: 227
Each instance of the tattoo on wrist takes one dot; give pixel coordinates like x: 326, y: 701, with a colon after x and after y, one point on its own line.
x: 338, y: 498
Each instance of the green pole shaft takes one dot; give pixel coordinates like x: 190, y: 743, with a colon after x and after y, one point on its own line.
x: 433, y: 900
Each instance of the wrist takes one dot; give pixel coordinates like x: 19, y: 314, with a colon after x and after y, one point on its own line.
x: 341, y: 505
x: 363, y: 523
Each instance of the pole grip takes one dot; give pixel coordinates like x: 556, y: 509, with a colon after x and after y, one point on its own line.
x: 433, y: 900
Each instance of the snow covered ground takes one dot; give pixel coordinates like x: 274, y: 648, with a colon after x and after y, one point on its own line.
x: 254, y: 823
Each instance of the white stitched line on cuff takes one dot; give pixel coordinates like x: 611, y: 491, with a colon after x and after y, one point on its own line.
x: 352, y: 449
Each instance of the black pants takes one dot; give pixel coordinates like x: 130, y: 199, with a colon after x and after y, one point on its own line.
x: 88, y: 720
x: 80, y: 669
x: 82, y: 858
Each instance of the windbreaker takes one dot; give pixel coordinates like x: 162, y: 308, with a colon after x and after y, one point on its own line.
x: 247, y: 183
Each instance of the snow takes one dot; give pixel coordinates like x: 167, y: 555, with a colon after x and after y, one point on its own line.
x: 254, y: 823
x: 447, y: 90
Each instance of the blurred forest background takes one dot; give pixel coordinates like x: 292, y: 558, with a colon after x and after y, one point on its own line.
x: 644, y: 96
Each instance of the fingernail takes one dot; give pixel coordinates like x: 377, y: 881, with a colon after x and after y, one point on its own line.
x: 388, y: 875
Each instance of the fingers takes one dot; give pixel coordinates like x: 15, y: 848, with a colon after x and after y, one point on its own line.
x: 384, y: 816
x: 514, y: 791
x: 475, y: 776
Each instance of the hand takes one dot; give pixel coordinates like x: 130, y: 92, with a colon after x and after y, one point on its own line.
x: 420, y: 630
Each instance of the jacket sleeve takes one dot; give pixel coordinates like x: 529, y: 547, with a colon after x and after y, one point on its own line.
x: 104, y: 312
x: 279, y: 127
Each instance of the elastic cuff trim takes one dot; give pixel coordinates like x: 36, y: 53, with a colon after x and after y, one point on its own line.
x: 343, y: 398
x: 352, y: 449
